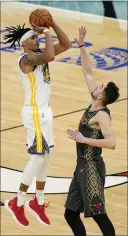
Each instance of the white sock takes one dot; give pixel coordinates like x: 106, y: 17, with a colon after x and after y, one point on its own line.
x: 20, y: 198
x: 40, y: 196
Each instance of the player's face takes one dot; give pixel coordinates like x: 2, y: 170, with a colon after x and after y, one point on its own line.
x: 33, y: 43
x: 99, y: 90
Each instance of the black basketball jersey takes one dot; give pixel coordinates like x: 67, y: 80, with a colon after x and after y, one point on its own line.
x: 85, y: 151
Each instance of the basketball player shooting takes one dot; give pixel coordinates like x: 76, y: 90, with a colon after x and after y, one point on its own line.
x: 86, y: 192
x: 37, y: 115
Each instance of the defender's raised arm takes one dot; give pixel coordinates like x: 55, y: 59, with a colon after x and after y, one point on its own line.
x: 86, y: 65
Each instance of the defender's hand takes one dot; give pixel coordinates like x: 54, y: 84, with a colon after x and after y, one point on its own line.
x: 39, y: 30
x: 82, y: 33
x: 76, y: 136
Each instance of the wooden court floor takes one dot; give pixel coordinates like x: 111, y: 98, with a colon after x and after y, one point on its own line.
x: 69, y: 95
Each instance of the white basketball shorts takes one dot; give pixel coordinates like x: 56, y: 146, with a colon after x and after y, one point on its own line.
x: 39, y: 124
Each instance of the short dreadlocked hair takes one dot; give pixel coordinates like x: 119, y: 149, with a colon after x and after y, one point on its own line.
x: 15, y: 34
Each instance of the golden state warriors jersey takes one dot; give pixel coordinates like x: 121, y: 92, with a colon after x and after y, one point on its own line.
x: 37, y: 85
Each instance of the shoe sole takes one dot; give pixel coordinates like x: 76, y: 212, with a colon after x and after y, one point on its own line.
x: 34, y: 213
x: 12, y: 213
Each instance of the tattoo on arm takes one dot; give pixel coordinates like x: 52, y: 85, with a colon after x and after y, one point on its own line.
x: 34, y: 59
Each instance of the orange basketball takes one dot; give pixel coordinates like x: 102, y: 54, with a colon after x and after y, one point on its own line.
x: 41, y: 17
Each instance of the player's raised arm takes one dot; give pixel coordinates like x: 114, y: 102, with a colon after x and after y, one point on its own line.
x: 86, y: 65
x: 64, y: 43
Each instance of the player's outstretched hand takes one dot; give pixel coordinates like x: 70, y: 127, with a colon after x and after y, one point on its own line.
x: 82, y: 33
x: 76, y: 136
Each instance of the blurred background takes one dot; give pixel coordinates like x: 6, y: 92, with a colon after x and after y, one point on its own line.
x: 115, y: 9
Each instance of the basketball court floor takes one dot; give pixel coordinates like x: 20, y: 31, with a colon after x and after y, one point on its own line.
x: 106, y: 43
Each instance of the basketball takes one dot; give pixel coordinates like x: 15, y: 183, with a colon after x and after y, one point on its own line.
x: 41, y: 17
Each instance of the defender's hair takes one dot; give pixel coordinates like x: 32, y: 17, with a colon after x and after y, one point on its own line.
x: 111, y: 93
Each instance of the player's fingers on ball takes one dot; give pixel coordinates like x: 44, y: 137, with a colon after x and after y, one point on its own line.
x: 34, y: 28
x: 33, y: 24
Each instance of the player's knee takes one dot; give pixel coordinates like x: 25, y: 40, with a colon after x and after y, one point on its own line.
x: 100, y: 218
x: 47, y: 160
x: 104, y: 222
x: 71, y: 216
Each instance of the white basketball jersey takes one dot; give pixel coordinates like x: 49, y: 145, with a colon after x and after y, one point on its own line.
x: 37, y: 85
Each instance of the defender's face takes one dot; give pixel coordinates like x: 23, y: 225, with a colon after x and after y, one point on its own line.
x: 32, y: 43
x: 99, y: 90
